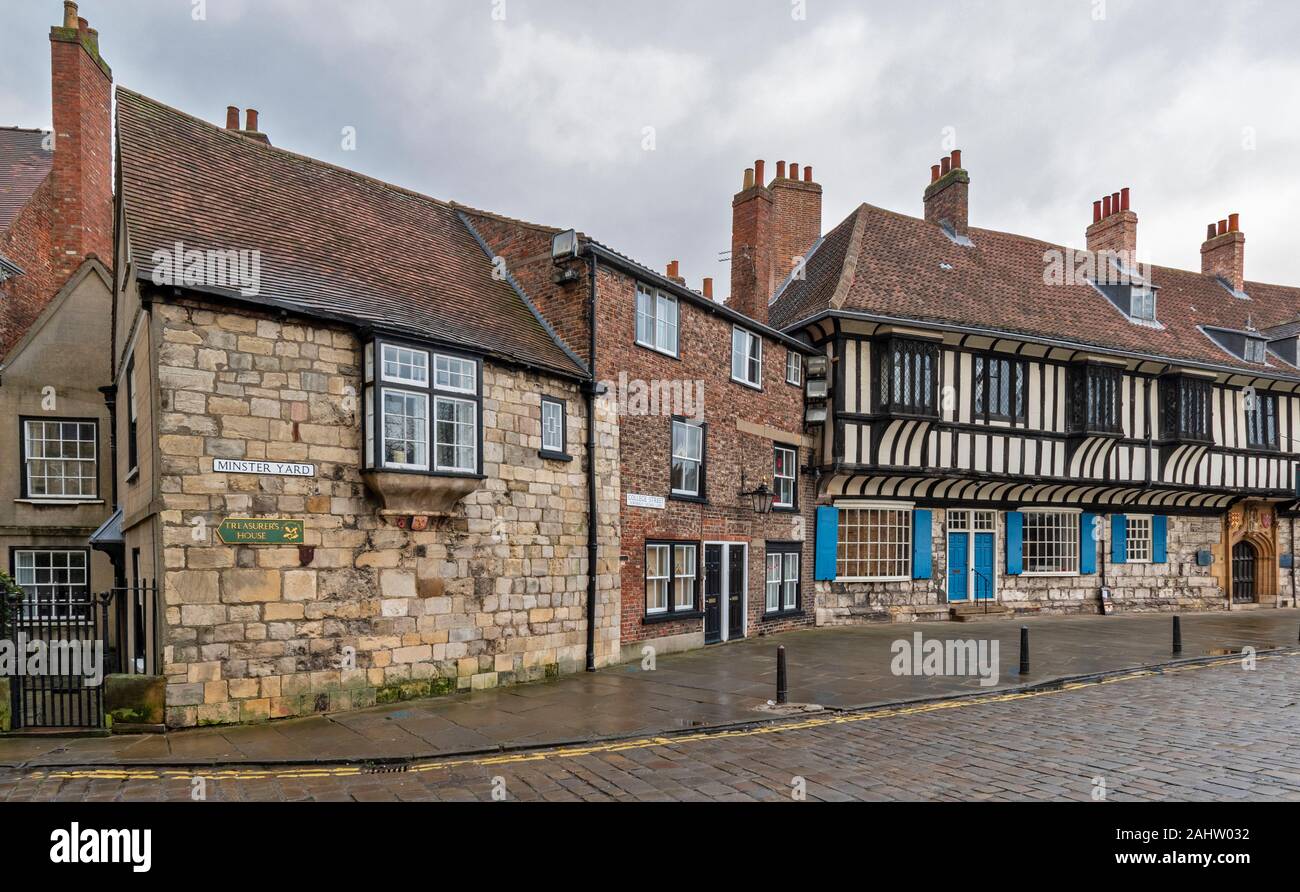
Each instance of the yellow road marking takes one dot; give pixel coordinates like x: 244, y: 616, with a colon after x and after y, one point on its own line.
x: 574, y: 752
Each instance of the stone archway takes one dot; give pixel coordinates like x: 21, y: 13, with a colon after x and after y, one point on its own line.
x: 1251, y: 540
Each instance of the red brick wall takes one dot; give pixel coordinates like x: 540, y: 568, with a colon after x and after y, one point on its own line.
x: 28, y: 243
x: 753, y: 278
x: 797, y: 223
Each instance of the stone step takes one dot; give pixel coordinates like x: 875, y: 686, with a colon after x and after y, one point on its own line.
x: 978, y: 611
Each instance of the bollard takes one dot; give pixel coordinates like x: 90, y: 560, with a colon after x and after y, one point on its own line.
x: 782, y: 689
x: 1024, y: 650
x: 1178, y: 636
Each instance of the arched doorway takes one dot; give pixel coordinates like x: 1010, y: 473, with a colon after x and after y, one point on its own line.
x: 1245, y: 561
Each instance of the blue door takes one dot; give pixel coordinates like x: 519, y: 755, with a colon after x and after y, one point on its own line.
x: 958, y: 557
x: 985, y: 547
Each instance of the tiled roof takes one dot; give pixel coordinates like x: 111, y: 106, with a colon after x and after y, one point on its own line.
x: 24, y: 165
x: 889, y: 264
x: 333, y: 243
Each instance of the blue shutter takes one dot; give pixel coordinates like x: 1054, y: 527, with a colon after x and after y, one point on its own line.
x: 1159, y: 539
x: 921, y: 545
x: 1118, y: 539
x: 1087, y: 544
x: 1015, y: 534
x: 827, y: 545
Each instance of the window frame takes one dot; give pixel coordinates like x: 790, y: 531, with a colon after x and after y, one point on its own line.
x: 24, y: 472
x: 793, y: 504
x: 404, y: 382
x: 1261, y: 429
x: 88, y: 564
x: 132, y: 423
x: 1131, y: 523
x: 1179, y: 393
x: 658, y: 299
x: 903, y: 546
x: 1073, y: 542
x: 794, y: 362
x: 982, y: 387
x: 890, y: 385
x: 701, y: 494
x: 672, y: 611
x: 561, y: 454
x: 1089, y: 380
x: 786, y: 605
x: 374, y: 412
x: 751, y: 359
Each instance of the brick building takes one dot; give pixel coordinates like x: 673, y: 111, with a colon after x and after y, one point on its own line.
x: 56, y: 225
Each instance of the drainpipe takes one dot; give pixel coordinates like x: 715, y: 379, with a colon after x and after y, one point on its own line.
x: 1295, y: 602
x: 593, y: 533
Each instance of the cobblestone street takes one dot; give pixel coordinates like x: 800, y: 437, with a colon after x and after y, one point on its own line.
x: 1213, y: 732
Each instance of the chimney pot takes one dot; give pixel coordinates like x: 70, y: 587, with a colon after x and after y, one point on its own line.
x: 1123, y: 198
x: 673, y: 267
x: 956, y: 159
x: 1210, y: 232
x: 1223, y: 227
x: 252, y: 120
x: 1114, y: 202
x: 1106, y: 209
x: 760, y: 167
x: 749, y: 178
x: 935, y: 173
x: 82, y: 24
x: 1234, y: 222
x: 69, y: 14
x: 794, y: 170
x: 807, y: 173
x: 232, y: 117
x: 780, y: 170
x: 1096, y: 211
x: 945, y: 165
x: 708, y: 288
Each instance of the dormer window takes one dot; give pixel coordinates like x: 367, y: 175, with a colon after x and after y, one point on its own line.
x: 1255, y: 350
x: 1248, y: 345
x: 1142, y: 303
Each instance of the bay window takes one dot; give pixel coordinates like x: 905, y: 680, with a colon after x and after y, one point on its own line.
x: 1096, y: 399
x: 909, y: 378
x: 1187, y: 409
x: 422, y: 410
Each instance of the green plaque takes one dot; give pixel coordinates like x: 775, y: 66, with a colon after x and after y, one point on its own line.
x: 246, y: 531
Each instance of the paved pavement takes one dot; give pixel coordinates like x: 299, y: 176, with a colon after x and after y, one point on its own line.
x: 836, y: 667
x: 1205, y: 732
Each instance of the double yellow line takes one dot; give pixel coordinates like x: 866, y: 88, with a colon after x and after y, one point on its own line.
x: 822, y: 720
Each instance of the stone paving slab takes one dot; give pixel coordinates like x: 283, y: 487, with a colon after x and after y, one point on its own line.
x: 840, y: 667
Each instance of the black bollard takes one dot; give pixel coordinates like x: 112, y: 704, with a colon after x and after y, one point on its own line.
x: 782, y: 689
x: 1024, y: 650
x: 1178, y: 636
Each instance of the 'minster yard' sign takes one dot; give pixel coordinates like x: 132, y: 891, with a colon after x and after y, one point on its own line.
x: 270, y: 468
x: 242, y: 531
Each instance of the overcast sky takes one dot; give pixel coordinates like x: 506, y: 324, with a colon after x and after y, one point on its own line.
x: 539, y: 108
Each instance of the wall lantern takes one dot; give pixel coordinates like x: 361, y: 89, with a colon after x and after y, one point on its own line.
x: 762, y: 499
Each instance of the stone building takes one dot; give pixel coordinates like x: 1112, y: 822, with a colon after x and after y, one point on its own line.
x: 1016, y: 425
x: 56, y: 225
x: 331, y: 443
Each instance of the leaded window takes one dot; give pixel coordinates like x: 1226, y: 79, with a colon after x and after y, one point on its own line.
x: 909, y: 378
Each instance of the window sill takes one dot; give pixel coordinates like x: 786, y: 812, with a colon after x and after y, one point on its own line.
x: 58, y: 502
x: 654, y: 619
x: 743, y: 383
x: 555, y: 456
x: 783, y: 614
x: 785, y: 509
x: 1066, y: 574
x: 653, y: 349
x: 683, y: 497
x: 418, y: 494
x: 133, y: 474
x: 874, y: 579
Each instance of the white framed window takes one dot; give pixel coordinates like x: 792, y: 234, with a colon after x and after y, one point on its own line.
x: 794, y: 368
x: 746, y: 357
x: 785, y: 464
x: 671, y: 578
x: 552, y: 426
x: 406, y: 430
x: 790, y: 580
x: 875, y: 543
x: 685, y: 573
x: 1050, y: 544
x: 55, y: 583
x: 688, y: 459
x: 405, y: 365
x: 60, y: 459
x: 1138, y: 544
x: 455, y: 374
x: 1143, y: 304
x: 456, y: 435
x: 656, y: 320
x: 657, y: 578
x: 774, y: 571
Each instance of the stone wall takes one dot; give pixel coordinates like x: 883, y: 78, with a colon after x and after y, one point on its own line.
x: 367, y: 612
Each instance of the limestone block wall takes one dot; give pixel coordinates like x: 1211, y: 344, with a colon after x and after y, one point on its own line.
x: 367, y: 611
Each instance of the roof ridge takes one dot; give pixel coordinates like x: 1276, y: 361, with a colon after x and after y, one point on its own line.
x: 849, y: 268
x: 17, y: 129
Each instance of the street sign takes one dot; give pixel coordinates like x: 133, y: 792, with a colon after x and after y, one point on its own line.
x: 247, y: 531
x: 264, y: 468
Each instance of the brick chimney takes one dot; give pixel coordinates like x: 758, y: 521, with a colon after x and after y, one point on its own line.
x: 796, y: 218
x: 1114, y: 227
x: 83, y: 168
x: 752, y: 269
x: 675, y: 272
x: 250, y: 129
x: 1224, y: 252
x: 947, y: 198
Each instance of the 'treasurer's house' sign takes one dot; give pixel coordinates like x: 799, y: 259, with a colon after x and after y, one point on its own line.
x: 271, y: 468
x: 245, y: 531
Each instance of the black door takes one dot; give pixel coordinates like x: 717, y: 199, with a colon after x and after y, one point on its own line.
x: 1243, y: 573
x: 712, y: 594
x: 736, y: 592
